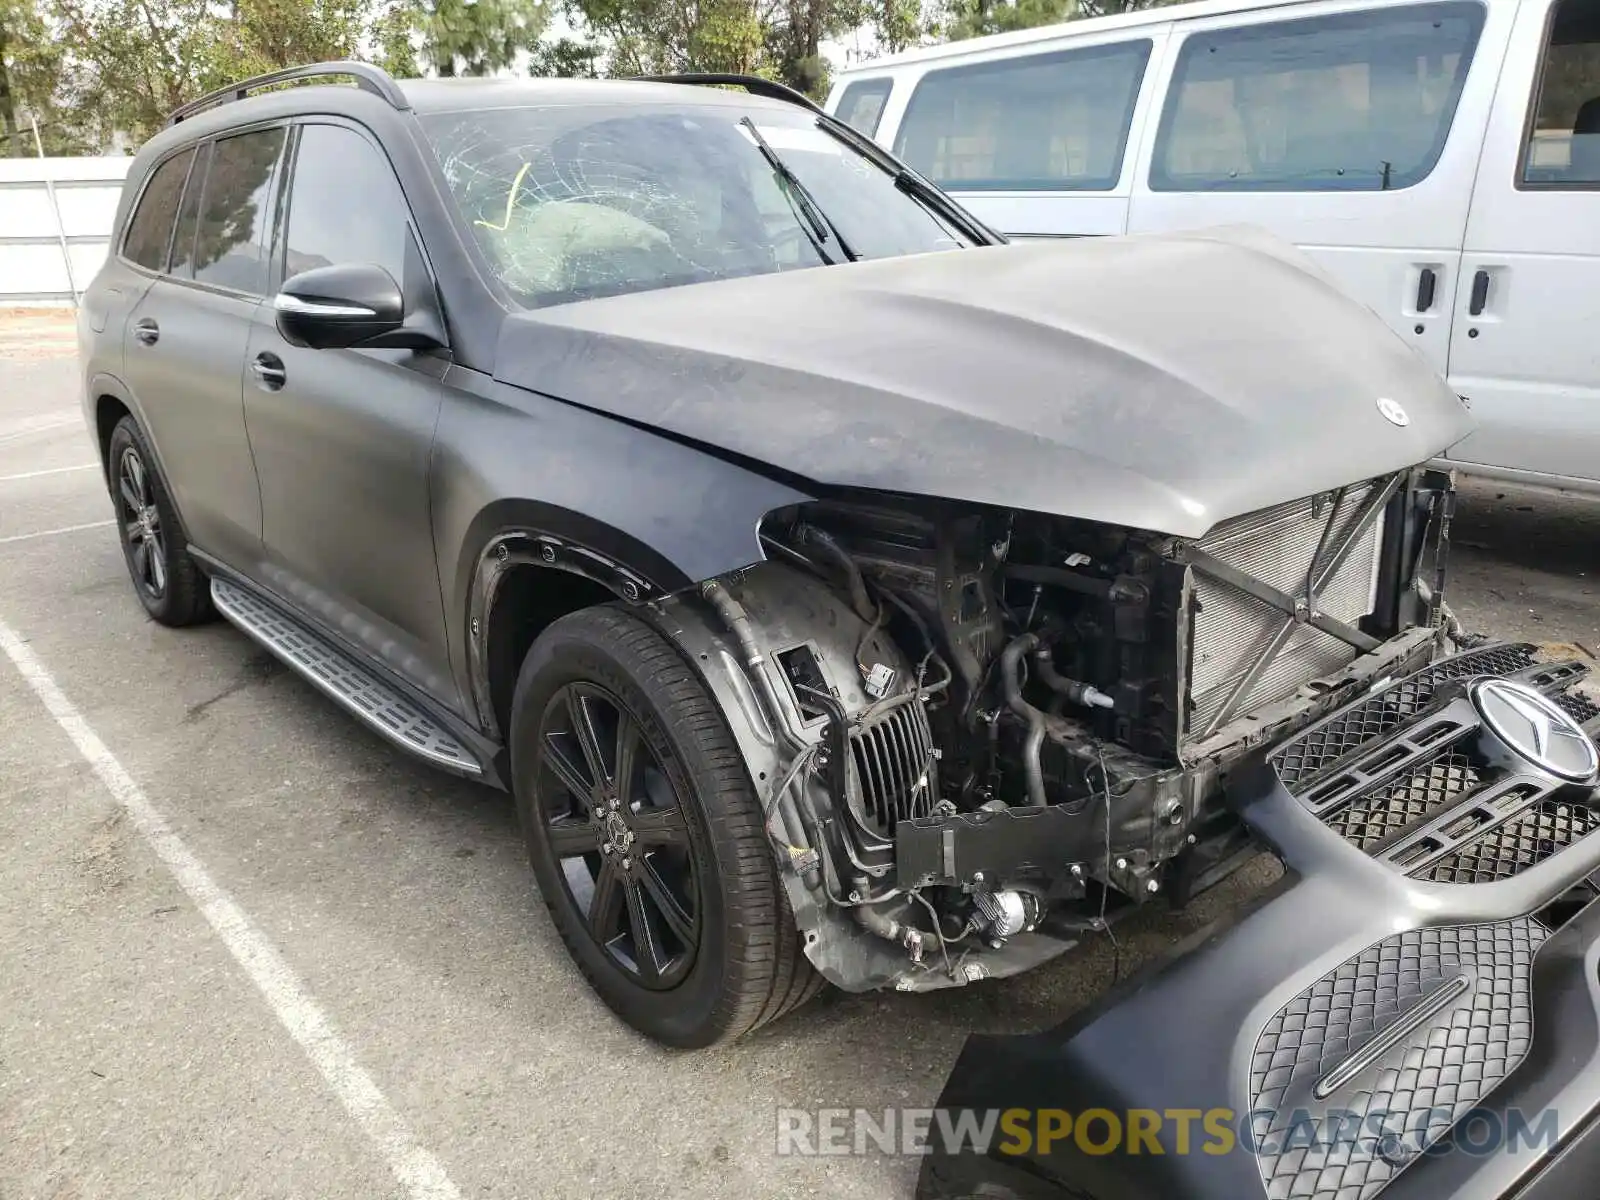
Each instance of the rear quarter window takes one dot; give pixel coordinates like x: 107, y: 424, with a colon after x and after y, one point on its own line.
x: 150, y: 228
x: 1055, y: 122
x: 1360, y: 101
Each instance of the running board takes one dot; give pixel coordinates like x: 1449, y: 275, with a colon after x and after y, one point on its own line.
x: 369, y: 699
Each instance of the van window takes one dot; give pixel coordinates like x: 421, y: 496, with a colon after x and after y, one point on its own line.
x: 861, y: 104
x: 235, y: 217
x: 1563, y: 148
x: 1361, y: 101
x: 1056, y: 122
x: 150, y: 227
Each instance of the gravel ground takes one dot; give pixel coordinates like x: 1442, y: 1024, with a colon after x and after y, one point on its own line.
x: 137, y: 1059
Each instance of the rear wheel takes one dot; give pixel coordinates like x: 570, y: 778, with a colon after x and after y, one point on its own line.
x: 165, y: 578
x: 646, y: 837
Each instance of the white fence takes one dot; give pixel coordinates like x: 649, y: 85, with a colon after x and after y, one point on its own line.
x: 55, y: 224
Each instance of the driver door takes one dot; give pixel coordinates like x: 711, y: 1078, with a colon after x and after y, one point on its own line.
x: 343, y: 438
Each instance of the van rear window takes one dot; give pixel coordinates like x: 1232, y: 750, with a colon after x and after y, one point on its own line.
x: 1361, y: 101
x: 1052, y: 122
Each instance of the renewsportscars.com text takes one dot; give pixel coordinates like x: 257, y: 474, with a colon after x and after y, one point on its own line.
x: 1177, y: 1131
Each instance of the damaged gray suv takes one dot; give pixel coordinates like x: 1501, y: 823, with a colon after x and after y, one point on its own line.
x: 843, y: 595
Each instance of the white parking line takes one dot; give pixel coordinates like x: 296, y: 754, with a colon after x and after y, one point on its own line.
x: 419, y: 1173
x: 28, y: 537
x: 51, y: 471
x: 47, y: 427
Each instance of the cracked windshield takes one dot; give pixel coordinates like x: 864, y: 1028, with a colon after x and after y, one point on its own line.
x: 576, y: 202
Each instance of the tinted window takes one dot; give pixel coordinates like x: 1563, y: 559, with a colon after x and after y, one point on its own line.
x: 861, y: 105
x: 576, y: 201
x: 1357, y: 102
x: 1564, y: 138
x: 151, y: 226
x: 1053, y: 121
x: 345, y: 205
x: 235, y: 215
x: 189, y: 217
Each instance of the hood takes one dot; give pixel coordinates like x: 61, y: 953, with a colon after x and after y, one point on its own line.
x: 1159, y: 382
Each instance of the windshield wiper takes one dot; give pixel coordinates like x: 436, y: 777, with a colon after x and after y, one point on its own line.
x: 907, y: 181
x: 817, y: 226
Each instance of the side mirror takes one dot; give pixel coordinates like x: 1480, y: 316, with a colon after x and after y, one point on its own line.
x: 329, y: 308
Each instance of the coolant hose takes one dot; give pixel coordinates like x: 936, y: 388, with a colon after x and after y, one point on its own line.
x: 1011, y: 676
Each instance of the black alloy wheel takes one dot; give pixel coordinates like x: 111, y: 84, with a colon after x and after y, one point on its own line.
x: 646, y: 836
x: 166, y: 577
x: 141, y: 524
x: 617, y: 829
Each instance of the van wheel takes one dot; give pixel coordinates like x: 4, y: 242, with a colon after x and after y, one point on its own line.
x: 166, y: 579
x: 646, y: 837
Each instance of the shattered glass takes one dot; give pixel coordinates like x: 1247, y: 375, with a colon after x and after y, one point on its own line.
x: 578, y: 201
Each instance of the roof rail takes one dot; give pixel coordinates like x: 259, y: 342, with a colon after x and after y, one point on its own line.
x: 753, y: 84
x: 367, y: 77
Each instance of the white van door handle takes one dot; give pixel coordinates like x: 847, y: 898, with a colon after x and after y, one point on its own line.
x: 1480, y: 294
x: 1427, y: 289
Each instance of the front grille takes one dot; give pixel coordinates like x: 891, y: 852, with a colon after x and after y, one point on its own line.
x: 1328, y: 743
x: 893, y: 765
x: 1580, y: 708
x: 1524, y: 841
x: 1403, y: 776
x: 1380, y: 816
x: 1233, y: 630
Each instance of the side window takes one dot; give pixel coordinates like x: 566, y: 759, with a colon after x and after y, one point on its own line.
x: 861, y: 105
x: 189, y: 217
x: 150, y: 227
x: 235, y: 214
x: 1055, y: 121
x: 1361, y: 101
x: 1563, y: 148
x: 326, y: 225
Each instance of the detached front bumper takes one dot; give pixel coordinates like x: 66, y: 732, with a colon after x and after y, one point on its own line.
x: 1413, y: 1011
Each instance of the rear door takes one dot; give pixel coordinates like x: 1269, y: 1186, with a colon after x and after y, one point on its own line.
x: 1035, y: 143
x: 184, y: 348
x: 343, y: 438
x: 1526, y: 350
x: 1351, y: 130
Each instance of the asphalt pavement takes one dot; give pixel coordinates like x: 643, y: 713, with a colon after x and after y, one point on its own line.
x: 249, y: 950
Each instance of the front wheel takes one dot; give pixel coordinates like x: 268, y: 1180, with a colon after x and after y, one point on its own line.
x: 645, y: 835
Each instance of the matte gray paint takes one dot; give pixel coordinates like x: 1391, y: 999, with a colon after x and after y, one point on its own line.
x: 1165, y: 382
x: 193, y: 376
x: 671, y: 513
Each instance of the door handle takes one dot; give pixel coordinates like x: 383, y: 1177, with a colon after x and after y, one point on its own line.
x: 1480, y: 294
x: 147, y: 331
x: 1427, y: 287
x: 269, y: 371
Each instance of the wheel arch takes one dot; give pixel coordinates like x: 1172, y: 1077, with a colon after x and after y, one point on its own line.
x: 529, y: 563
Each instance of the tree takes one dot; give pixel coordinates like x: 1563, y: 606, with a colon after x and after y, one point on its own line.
x: 459, y: 37
x: 30, y: 67
x: 976, y: 18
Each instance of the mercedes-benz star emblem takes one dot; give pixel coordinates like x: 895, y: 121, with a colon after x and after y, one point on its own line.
x: 1392, y: 412
x: 1537, y: 729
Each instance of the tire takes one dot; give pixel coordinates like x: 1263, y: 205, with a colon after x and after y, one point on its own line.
x: 746, y: 966
x: 168, y: 582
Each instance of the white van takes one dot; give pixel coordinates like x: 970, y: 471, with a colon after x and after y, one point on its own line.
x: 1441, y: 159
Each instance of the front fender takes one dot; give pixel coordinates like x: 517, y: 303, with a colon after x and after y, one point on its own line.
x: 510, y: 461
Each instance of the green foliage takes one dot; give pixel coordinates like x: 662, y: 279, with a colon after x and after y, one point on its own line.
x: 976, y: 18
x: 459, y: 37
x: 30, y: 65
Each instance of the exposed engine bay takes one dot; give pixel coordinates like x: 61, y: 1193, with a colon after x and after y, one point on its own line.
x: 979, y: 733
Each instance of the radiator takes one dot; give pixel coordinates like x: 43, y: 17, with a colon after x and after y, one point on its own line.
x: 1232, y: 630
